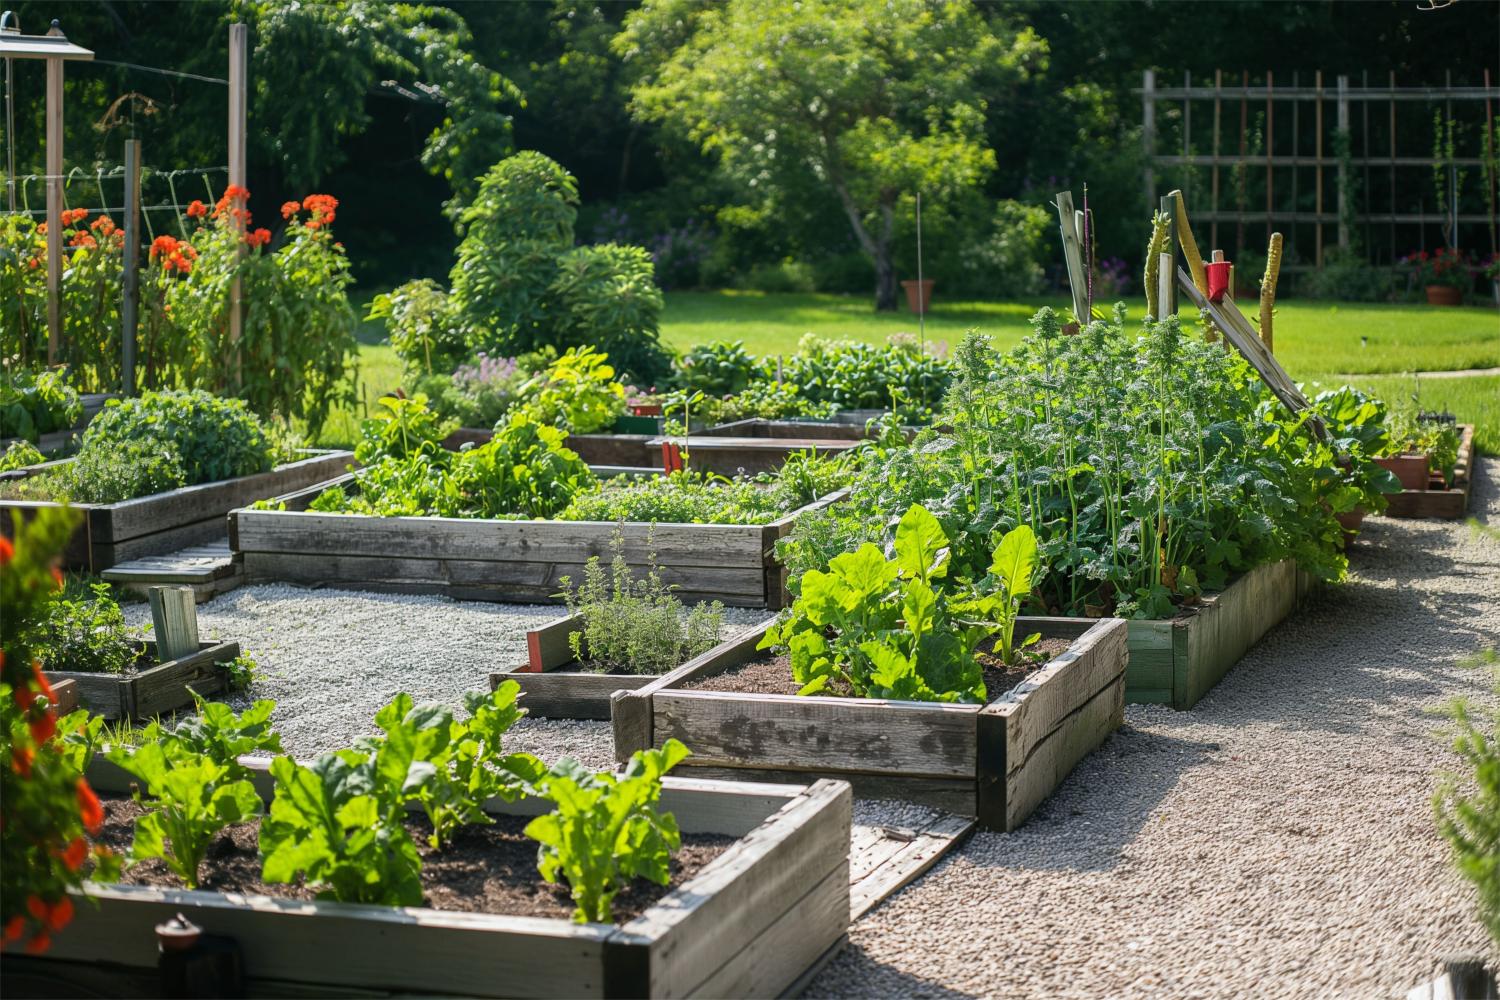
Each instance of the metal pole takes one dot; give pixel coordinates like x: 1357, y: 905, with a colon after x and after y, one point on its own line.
x: 54, y: 207
x: 132, y: 263
x: 238, y: 78
x: 1343, y: 177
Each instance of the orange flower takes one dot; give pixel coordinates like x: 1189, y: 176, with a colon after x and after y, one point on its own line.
x: 43, y: 728
x: 37, y: 907
x: 20, y: 761
x: 82, y: 239
x: 38, y: 944
x: 60, y: 914
x: 14, y: 928
x: 103, y: 225
x: 6, y: 550
x: 76, y: 854
x: 89, y: 809
x: 163, y: 246
x: 289, y: 209
x: 73, y: 215
x: 41, y: 227
x: 196, y: 209
x: 322, y: 208
x: 259, y: 238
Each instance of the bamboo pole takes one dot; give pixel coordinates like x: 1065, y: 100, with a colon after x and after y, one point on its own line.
x: 1268, y: 290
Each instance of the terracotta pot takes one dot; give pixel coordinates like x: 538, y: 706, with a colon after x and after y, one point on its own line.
x: 645, y: 409
x: 1444, y: 295
x: 918, y: 295
x: 1350, y: 522
x: 1411, y: 470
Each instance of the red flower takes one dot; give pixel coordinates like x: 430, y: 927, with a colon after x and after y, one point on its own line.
x: 6, y: 550
x: 43, y: 728
x: 259, y: 238
x: 76, y: 854
x: 89, y: 809
x: 322, y: 207
x: 73, y: 215
x: 196, y: 209
x: 14, y: 928
x: 38, y: 944
x: 20, y: 761
x: 37, y: 907
x: 82, y: 239
x: 60, y: 914
x: 289, y: 209
x: 162, y: 245
x: 103, y: 225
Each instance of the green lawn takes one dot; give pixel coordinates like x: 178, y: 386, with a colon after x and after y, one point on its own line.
x: 1313, y: 339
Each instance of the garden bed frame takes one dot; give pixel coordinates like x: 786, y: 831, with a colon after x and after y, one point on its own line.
x: 1452, y: 502
x: 997, y: 761
x: 475, y: 559
x: 152, y: 691
x: 609, y: 450
x: 1177, y: 661
x: 551, y: 684
x: 754, y: 922
x: 155, y: 525
x: 730, y: 456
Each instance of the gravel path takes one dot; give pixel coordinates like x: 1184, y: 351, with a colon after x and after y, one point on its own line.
x: 1277, y: 841
x: 333, y: 658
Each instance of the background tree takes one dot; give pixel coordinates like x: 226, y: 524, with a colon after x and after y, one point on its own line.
x: 874, y: 101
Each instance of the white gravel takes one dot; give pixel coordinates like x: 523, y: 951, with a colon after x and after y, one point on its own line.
x: 1276, y: 841
x: 333, y: 658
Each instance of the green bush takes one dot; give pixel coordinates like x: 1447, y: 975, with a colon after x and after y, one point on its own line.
x: 426, y: 331
x: 525, y: 470
x: 719, y: 368
x: 1007, y: 262
x: 577, y: 393
x: 214, y: 438
x: 19, y: 455
x: 1344, y: 277
x: 784, y: 276
x: 35, y: 404
x: 606, y: 296
x: 854, y: 376
x: 125, y: 471
x: 1468, y: 810
x: 87, y: 633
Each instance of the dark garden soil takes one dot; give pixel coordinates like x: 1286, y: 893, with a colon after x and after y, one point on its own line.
x: 773, y: 674
x: 486, y: 869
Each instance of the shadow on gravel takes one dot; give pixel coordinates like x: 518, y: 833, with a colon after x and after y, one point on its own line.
x: 879, y: 979
x: 1099, y: 809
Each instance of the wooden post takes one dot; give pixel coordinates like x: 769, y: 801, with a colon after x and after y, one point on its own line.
x: 1364, y: 129
x: 1393, y: 165
x: 1167, y: 280
x: 1343, y: 178
x: 1213, y: 227
x: 1296, y: 170
x: 1240, y: 165
x: 1166, y: 284
x: 1187, y: 131
x: 131, y: 277
x: 174, y: 616
x: 1067, y: 221
x: 54, y: 114
x: 1270, y: 144
x: 1489, y: 127
x: 239, y: 57
x: 1148, y: 129
x: 1318, y: 159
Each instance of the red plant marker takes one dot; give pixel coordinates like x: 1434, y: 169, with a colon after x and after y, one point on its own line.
x: 1218, y: 279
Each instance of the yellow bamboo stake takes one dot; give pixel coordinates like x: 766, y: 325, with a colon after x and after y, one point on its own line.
x: 1268, y: 289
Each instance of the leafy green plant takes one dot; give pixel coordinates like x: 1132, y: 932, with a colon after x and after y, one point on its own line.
x: 401, y: 427
x: 606, y: 829
x: 898, y: 627
x: 720, y: 368
x: 86, y: 634
x: 1467, y: 808
x: 1438, y: 440
x: 131, y: 469
x: 214, y: 438
x: 577, y: 393
x: 525, y: 470
x: 679, y: 498
x: 216, y: 733
x: 636, y: 626
x: 35, y: 404
x: 340, y: 827
x: 1008, y: 584
x: 426, y: 330
x: 19, y: 455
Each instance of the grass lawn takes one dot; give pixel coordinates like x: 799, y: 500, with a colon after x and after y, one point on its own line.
x: 1314, y: 340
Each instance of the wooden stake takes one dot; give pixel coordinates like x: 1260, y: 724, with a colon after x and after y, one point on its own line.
x: 1318, y: 158
x: 1213, y: 227
x: 54, y: 114
x: 131, y: 263
x: 174, y: 615
x: 239, y: 58
x: 1343, y: 178
x: 1270, y: 145
x: 1148, y: 128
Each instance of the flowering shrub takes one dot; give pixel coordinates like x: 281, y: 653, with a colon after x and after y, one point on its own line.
x: 1441, y: 267
x: 47, y: 809
x: 297, y: 345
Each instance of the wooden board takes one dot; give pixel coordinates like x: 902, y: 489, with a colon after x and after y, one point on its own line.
x: 1450, y: 503
x: 729, y: 456
x: 759, y: 427
x: 155, y: 691
x: 996, y: 762
x: 882, y: 860
x: 209, y: 570
x: 747, y: 925
x: 477, y: 559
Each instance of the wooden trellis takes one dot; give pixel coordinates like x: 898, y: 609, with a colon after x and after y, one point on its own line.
x: 1388, y: 160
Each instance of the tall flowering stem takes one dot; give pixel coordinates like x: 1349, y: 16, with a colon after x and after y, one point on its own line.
x: 48, y: 812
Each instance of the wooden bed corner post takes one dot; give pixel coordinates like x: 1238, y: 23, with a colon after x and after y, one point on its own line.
x: 630, y: 718
x: 174, y: 616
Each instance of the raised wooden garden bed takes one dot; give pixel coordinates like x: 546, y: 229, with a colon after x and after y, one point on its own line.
x: 729, y: 456
x: 552, y: 684
x: 1440, y: 499
x: 166, y: 522
x: 484, y: 560
x: 607, y: 450
x: 153, y: 690
x: 995, y: 761
x: 1177, y: 661
x: 752, y: 923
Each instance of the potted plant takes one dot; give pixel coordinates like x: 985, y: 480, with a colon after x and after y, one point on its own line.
x: 918, y: 295
x: 1444, y: 273
x: 1420, y: 448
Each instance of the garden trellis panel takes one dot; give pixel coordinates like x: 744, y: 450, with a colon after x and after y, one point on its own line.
x: 1387, y: 160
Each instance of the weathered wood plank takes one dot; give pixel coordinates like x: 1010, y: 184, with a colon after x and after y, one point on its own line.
x: 1450, y: 503
x: 749, y: 888
x: 550, y: 646
x: 908, y: 862
x: 569, y: 694
x: 174, y: 618
x: 1207, y: 644
x: 156, y: 690
x: 827, y: 734
x: 952, y: 795
x: 1051, y: 761
x: 630, y: 723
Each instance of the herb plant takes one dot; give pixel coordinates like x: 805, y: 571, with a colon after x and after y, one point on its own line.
x: 636, y: 626
x: 577, y: 393
x: 606, y: 829
x: 19, y: 455
x: 35, y: 404
x: 87, y: 634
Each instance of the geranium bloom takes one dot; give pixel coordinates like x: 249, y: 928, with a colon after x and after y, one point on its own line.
x: 231, y: 194
x: 290, y: 208
x: 259, y: 238
x: 162, y: 246
x: 322, y: 208
x: 196, y: 209
x: 103, y: 225
x: 73, y: 215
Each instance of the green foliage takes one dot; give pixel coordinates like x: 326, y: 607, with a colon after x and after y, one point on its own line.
x: 1467, y: 808
x: 1345, y: 277
x: 19, y: 455
x: 339, y: 825
x: 606, y: 829
x: 480, y: 393
x: 1437, y: 439
x: 1008, y: 584
x: 577, y: 393
x: 241, y: 672
x: 897, y: 627
x: 214, y: 438
x: 425, y: 329
x: 519, y: 284
x: 855, y: 376
x: 400, y: 428
x: 130, y: 469
x: 636, y: 626
x: 35, y: 404
x: 86, y: 634
x: 871, y: 100
x: 679, y: 498
x: 719, y: 368
x: 192, y: 798
x: 216, y: 733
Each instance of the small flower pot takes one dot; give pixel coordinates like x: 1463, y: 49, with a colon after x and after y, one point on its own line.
x: 918, y: 295
x: 645, y: 409
x: 1411, y: 470
x: 1350, y: 522
x: 1444, y: 295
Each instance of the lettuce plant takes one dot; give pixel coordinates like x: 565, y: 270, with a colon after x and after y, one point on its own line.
x: 606, y: 829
